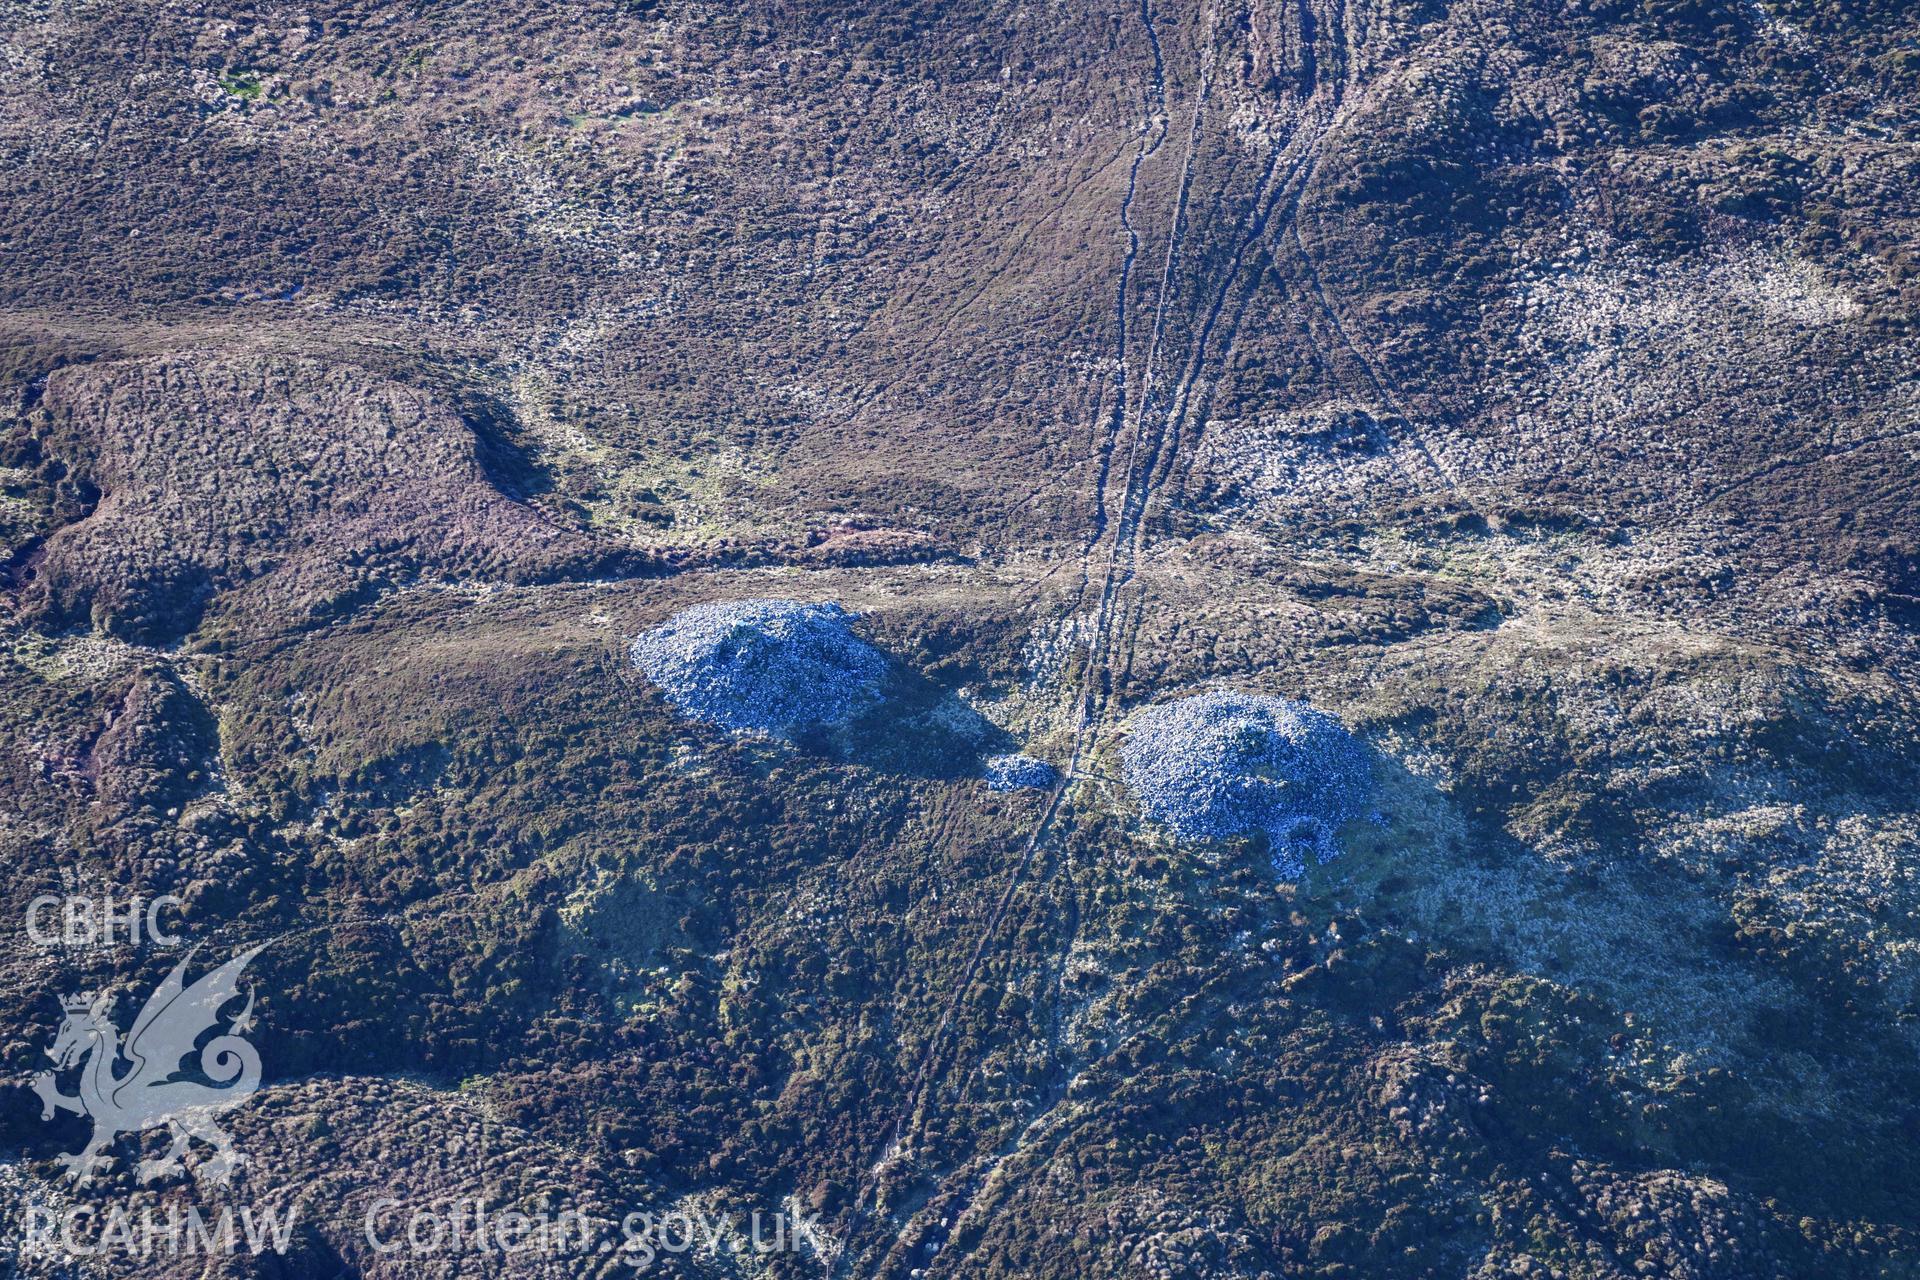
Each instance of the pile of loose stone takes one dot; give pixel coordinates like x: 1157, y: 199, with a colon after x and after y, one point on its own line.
x: 1216, y: 766
x: 775, y: 667
x: 1224, y: 764
x: 1015, y: 772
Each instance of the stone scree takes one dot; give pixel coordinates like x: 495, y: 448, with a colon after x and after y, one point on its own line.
x: 1015, y: 772
x: 773, y: 667
x: 1225, y: 764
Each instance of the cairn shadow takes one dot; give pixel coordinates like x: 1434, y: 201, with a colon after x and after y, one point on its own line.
x: 1641, y: 938
x: 918, y: 730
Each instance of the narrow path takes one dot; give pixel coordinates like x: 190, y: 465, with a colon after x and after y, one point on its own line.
x: 1155, y: 135
x: 1116, y: 422
x: 1382, y: 393
x: 1154, y: 429
x: 1292, y: 161
x: 1300, y: 158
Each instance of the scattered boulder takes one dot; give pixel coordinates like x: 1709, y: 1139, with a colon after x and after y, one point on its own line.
x: 774, y: 667
x: 1017, y: 772
x: 1226, y: 764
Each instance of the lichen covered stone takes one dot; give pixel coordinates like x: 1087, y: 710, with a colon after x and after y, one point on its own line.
x: 1223, y: 764
x: 1015, y: 772
x: 774, y: 667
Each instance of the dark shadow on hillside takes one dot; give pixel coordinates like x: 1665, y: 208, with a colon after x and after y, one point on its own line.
x: 1654, y: 955
x: 920, y: 730
x: 508, y: 467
